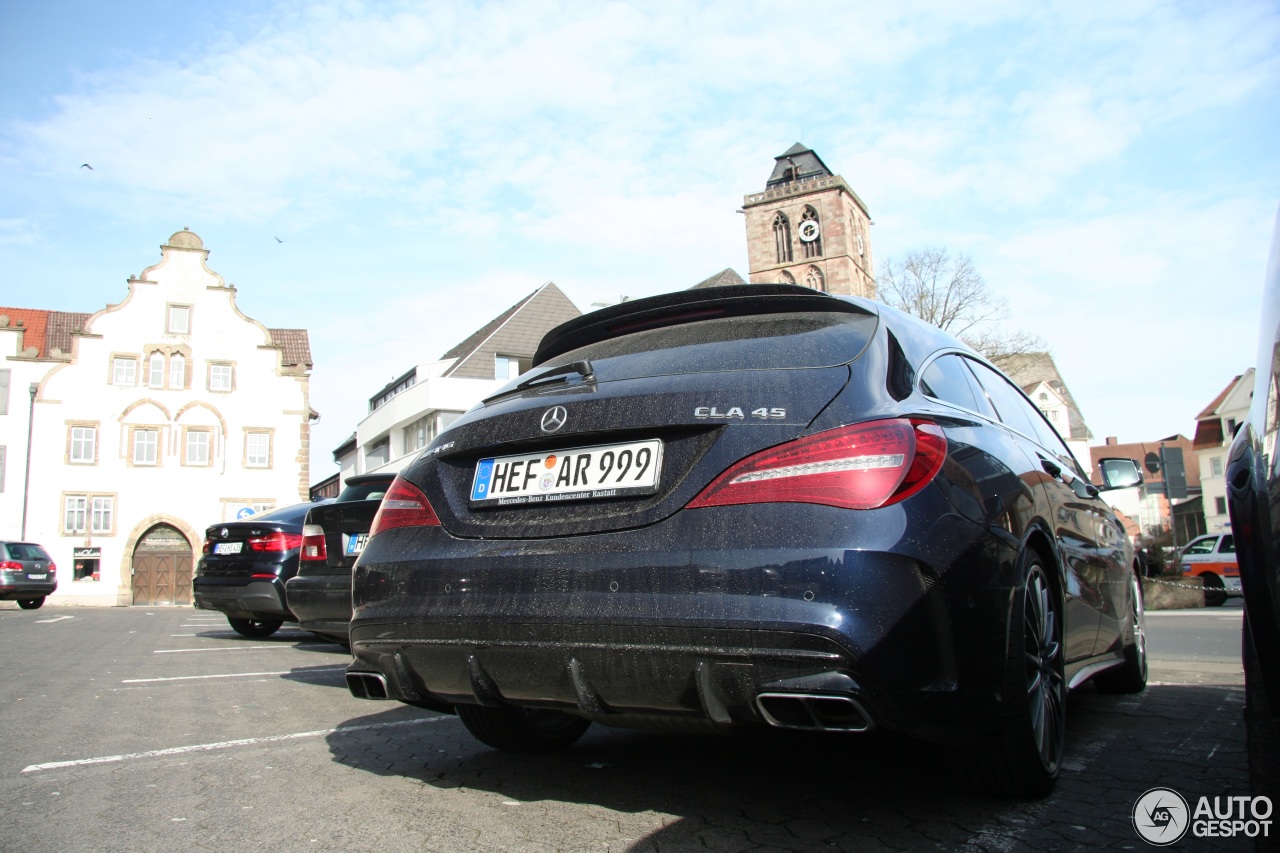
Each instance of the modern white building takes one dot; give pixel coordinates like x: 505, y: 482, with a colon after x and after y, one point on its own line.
x: 1215, y: 428
x: 153, y: 418
x: 411, y: 410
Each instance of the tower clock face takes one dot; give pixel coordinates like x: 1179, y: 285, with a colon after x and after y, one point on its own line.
x: 809, y: 230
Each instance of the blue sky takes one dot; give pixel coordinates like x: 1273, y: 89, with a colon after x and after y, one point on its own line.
x: 1112, y: 168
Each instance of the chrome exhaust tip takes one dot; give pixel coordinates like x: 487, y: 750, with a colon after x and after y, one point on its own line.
x: 367, y: 685
x: 814, y: 712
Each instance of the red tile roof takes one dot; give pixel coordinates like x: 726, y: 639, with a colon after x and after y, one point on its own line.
x: 33, y: 321
x: 294, y: 344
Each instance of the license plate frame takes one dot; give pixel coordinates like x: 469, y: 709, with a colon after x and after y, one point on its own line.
x: 594, y: 472
x: 223, y: 549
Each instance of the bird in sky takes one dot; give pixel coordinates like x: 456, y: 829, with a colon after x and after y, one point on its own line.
x: 86, y: 166
x: 278, y: 240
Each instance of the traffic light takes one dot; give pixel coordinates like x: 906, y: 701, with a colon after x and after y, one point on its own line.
x: 1175, y: 474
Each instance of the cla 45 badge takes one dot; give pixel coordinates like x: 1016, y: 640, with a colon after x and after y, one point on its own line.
x: 736, y: 412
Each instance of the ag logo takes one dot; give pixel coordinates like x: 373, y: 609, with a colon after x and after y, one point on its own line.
x: 1161, y: 817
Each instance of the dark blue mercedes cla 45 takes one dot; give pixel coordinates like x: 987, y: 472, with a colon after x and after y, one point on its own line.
x: 753, y: 506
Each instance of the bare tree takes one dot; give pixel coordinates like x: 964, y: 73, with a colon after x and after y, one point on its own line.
x: 948, y: 291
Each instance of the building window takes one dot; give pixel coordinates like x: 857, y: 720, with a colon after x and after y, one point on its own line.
x: 813, y: 279
x: 377, y: 454
x: 124, y: 371
x: 74, y: 515
x: 179, y: 322
x: 221, y: 377
x: 197, y: 448
x: 146, y: 446
x: 1220, y: 504
x: 102, y: 518
x: 1215, y: 466
x: 177, y: 371
x: 811, y: 233
x: 4, y: 392
x: 83, y: 448
x: 782, y: 238
x: 94, y: 512
x: 257, y: 450
x: 509, y: 366
x: 155, y: 370
x: 418, y: 434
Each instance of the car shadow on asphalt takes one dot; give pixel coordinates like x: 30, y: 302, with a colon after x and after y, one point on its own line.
x: 793, y: 790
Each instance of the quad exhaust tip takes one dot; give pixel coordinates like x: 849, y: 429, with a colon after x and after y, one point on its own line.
x: 367, y: 685
x: 814, y: 712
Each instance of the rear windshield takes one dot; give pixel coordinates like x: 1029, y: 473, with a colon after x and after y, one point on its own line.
x: 287, y: 515
x: 364, y: 492
x: 753, y: 342
x: 24, y: 551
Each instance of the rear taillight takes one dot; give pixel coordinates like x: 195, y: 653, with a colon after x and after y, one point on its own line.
x: 276, y: 541
x: 10, y: 566
x: 863, y: 466
x: 404, y: 505
x: 313, y: 547
x: 208, y: 546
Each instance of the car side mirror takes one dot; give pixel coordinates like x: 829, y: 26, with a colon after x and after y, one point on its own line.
x: 1119, y: 473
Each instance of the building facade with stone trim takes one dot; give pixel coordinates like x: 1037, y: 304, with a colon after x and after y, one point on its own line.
x: 1216, y: 426
x: 153, y: 418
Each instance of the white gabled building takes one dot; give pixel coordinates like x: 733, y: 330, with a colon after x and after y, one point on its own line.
x: 411, y: 410
x: 1215, y: 429
x: 153, y: 419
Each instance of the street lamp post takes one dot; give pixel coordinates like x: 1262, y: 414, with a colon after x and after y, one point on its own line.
x: 26, y: 480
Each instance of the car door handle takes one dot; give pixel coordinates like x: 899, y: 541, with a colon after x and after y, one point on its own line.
x: 1054, y: 471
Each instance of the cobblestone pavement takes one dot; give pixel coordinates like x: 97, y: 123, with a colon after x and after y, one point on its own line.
x: 129, y: 731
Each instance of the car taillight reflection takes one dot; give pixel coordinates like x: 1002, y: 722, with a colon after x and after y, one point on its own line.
x: 404, y: 505
x: 863, y: 466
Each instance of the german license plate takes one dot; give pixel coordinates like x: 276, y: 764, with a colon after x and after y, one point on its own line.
x: 227, y: 547
x: 355, y: 543
x: 579, y: 473
x: 35, y: 577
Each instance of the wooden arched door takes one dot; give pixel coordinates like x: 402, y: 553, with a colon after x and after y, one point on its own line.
x: 162, y: 567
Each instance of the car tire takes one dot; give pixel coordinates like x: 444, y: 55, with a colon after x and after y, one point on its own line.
x: 31, y: 603
x: 1024, y: 761
x: 526, y: 730
x: 1130, y: 676
x: 254, y: 627
x: 1262, y: 729
x: 1215, y: 593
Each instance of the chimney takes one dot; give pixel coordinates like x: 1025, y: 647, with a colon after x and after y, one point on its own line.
x: 1111, y: 439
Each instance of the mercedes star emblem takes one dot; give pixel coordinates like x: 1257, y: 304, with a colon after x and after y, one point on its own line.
x: 554, y: 418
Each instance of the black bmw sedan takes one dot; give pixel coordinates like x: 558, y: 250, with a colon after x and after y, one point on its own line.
x: 752, y: 506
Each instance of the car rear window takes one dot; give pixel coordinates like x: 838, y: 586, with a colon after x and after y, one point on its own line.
x: 25, y: 551
x: 364, y: 492
x: 753, y: 342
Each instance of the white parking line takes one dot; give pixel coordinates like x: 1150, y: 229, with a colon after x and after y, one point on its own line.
x: 232, y: 675
x: 226, y: 744
x: 244, y: 648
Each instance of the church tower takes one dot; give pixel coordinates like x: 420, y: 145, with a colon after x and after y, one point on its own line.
x: 809, y: 227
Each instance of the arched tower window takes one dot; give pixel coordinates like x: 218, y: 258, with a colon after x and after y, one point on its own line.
x: 782, y: 237
x: 813, y: 279
x: 811, y: 233
x: 786, y: 277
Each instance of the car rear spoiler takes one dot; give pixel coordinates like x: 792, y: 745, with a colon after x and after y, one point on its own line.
x: 688, y: 306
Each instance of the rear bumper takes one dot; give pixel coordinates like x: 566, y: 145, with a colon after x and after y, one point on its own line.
x: 258, y: 599
x: 321, y: 603
x: 622, y: 626
x: 25, y: 590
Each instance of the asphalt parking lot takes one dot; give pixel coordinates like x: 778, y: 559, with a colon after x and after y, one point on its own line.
x: 160, y: 729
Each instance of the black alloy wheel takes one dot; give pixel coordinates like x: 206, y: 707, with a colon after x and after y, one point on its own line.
x: 254, y: 627
x: 1025, y: 761
x: 31, y: 603
x: 1130, y: 676
x: 1215, y: 593
x: 526, y: 730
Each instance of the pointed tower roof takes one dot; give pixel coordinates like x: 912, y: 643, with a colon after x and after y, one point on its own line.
x: 797, y: 163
